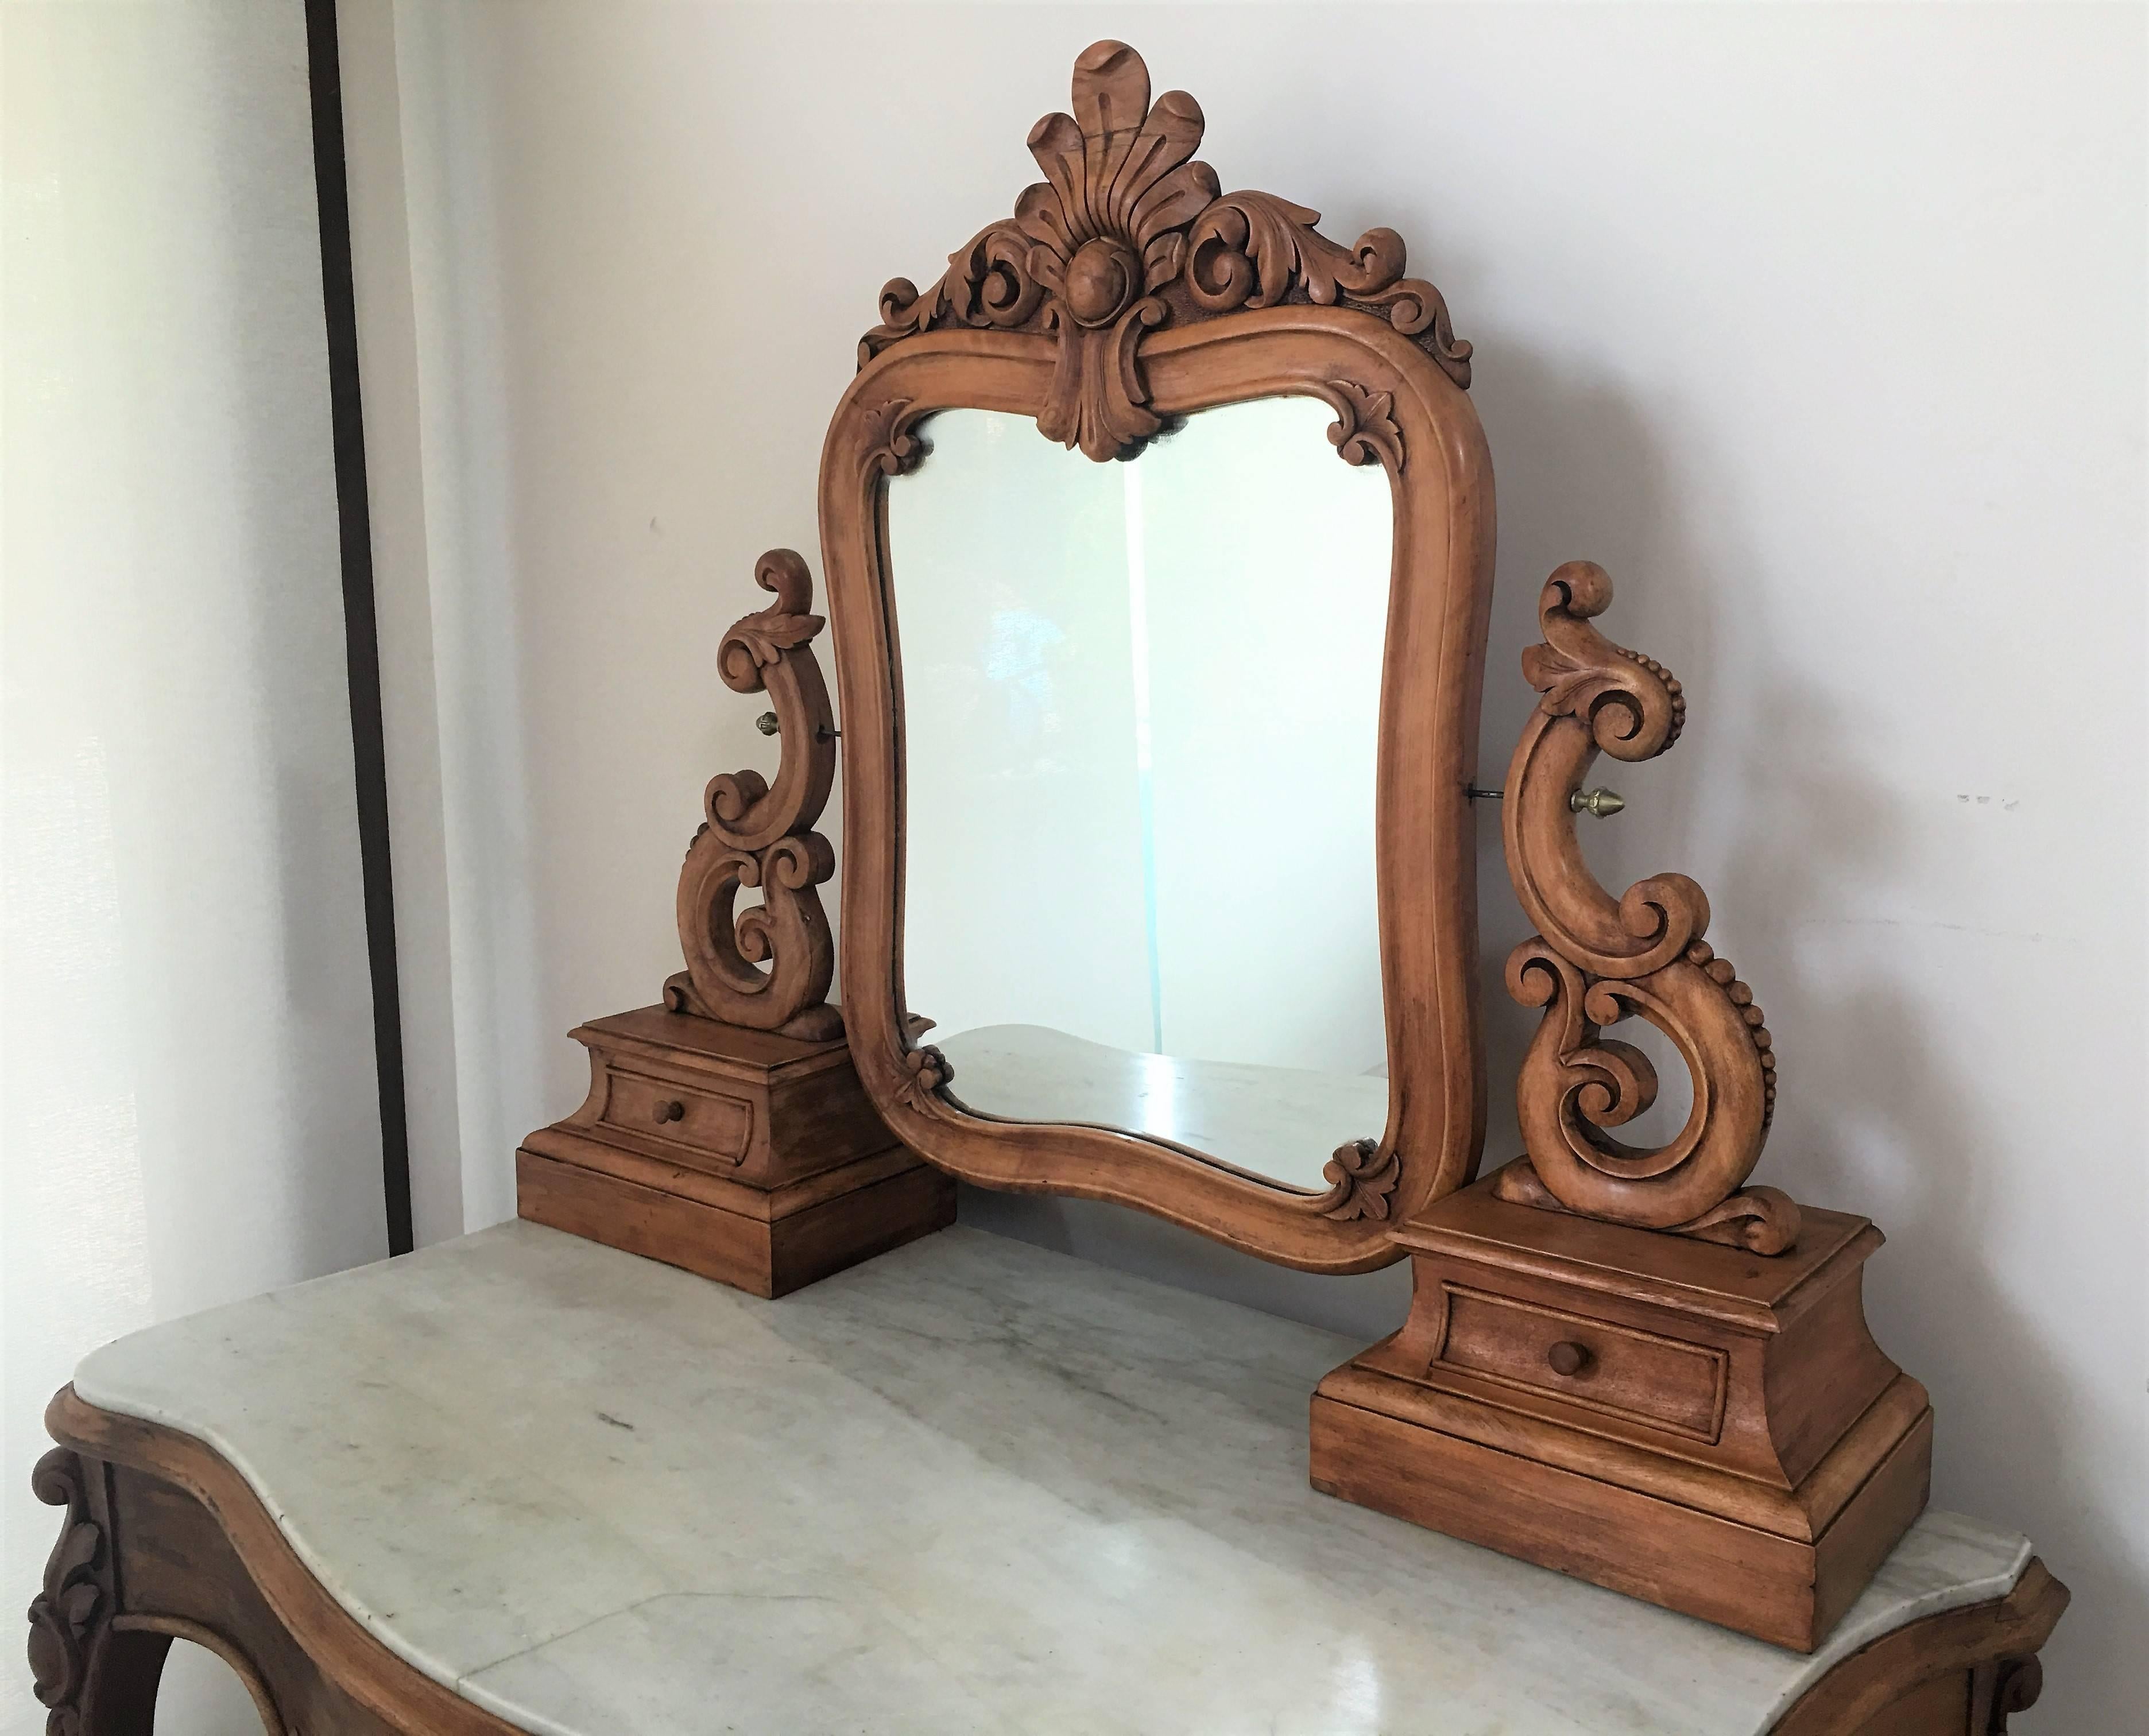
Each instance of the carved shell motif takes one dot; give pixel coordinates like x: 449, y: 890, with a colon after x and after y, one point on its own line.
x: 1127, y: 232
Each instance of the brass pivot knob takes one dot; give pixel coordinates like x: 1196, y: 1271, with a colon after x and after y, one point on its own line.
x: 1567, y: 1357
x: 1599, y: 804
x: 672, y: 1110
x: 768, y: 724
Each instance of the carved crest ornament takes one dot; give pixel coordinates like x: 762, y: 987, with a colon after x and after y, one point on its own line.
x: 1127, y: 234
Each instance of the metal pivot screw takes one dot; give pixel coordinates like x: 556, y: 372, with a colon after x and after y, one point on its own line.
x: 768, y: 724
x: 1599, y: 804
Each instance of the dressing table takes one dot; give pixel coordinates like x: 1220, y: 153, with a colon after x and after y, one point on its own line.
x: 1158, y: 889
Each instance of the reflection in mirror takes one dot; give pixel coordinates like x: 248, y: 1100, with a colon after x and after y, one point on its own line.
x: 1140, y: 714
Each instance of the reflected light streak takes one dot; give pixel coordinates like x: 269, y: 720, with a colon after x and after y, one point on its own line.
x: 1159, y: 1095
x: 1145, y: 790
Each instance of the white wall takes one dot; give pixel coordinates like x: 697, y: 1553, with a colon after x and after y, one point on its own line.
x: 189, y: 1105
x: 1821, y: 326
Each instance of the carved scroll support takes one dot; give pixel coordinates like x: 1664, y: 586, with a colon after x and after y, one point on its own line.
x: 758, y: 835
x: 1596, y: 960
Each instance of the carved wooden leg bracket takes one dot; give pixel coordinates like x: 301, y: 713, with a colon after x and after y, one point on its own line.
x: 68, y: 1617
x: 96, y: 1663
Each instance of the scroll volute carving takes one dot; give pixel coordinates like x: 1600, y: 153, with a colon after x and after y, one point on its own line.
x: 1596, y: 960
x: 1128, y: 233
x: 759, y: 835
x: 75, y: 1602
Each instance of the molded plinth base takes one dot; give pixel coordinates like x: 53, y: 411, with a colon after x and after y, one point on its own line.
x: 745, y: 1156
x: 1707, y: 1429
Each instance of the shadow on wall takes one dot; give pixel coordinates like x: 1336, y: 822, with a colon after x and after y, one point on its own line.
x: 1767, y: 803
x: 1580, y: 477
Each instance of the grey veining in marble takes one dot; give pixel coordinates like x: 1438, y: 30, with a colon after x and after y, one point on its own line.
x: 971, y: 1486
x: 1284, y: 1122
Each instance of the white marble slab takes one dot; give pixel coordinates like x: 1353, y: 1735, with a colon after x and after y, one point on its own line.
x: 971, y: 1486
x: 1282, y: 1123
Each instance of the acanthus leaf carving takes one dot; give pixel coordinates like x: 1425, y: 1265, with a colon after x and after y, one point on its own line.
x: 758, y: 836
x: 1365, y: 430
x: 75, y: 1600
x: 893, y: 447
x: 1596, y: 960
x: 1362, y: 1181
x: 926, y: 1071
x: 1253, y: 249
x: 1129, y: 231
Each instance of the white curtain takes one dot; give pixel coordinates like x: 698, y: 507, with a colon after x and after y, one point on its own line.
x: 189, y: 1113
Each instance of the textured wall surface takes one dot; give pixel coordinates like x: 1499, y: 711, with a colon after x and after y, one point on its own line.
x: 188, y: 1111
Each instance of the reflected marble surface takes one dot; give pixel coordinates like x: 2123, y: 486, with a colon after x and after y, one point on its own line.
x: 1119, y: 681
x: 970, y: 1487
x: 1280, y: 1123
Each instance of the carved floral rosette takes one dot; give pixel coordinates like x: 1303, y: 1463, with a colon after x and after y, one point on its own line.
x: 1128, y: 233
x: 759, y: 835
x: 1596, y: 960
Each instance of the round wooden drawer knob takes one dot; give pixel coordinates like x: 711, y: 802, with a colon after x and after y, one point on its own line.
x: 671, y: 1110
x: 1567, y: 1357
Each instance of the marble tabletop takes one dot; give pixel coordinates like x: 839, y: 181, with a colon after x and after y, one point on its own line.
x: 972, y: 1486
x: 1284, y: 1122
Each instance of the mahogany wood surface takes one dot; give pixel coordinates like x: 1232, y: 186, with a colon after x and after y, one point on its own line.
x: 758, y: 835
x: 745, y: 1156
x: 1596, y: 960
x: 1972, y: 1669
x: 161, y: 1539
x: 1128, y: 291
x: 1696, y: 1424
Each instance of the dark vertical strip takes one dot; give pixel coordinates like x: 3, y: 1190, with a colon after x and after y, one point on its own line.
x: 361, y: 631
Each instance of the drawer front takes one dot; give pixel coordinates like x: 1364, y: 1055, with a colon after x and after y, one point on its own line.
x: 1619, y: 1371
x: 700, y: 1122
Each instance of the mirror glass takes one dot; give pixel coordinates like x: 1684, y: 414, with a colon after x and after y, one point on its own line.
x: 1141, y: 705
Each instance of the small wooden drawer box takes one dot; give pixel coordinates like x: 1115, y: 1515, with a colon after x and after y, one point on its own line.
x: 699, y: 1127
x: 1591, y: 1364
x: 744, y: 1155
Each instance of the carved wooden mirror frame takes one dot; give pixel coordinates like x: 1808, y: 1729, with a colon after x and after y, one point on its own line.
x: 1126, y: 292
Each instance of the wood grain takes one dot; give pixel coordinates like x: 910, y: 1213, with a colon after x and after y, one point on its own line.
x: 776, y: 1171
x: 1596, y: 960
x: 1442, y: 549
x: 1993, y: 1645
x: 759, y: 835
x: 1721, y: 1434
x: 766, y: 1256
x: 1129, y: 232
x: 1107, y: 306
